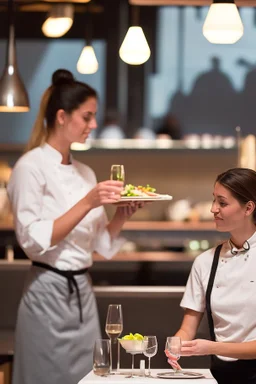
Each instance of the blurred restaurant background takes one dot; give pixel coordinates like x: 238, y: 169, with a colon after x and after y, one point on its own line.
x: 175, y: 122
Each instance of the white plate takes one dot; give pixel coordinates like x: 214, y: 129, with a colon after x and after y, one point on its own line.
x: 180, y: 375
x: 143, y: 198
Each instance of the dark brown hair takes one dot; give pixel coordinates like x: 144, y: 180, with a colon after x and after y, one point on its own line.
x: 65, y: 93
x: 241, y: 182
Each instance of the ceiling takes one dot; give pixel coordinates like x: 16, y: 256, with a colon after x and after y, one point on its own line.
x: 240, y: 3
x: 98, y: 5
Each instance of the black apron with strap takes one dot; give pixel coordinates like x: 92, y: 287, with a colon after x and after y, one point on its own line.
x: 72, y: 283
x: 225, y: 372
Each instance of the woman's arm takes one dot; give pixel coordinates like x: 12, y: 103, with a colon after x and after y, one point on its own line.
x: 106, y: 192
x: 121, y: 215
x: 199, y: 347
x: 189, y: 325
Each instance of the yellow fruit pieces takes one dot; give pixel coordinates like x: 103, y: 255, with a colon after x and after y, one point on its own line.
x: 135, y: 336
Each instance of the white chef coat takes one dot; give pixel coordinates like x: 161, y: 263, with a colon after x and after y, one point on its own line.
x: 41, y: 189
x: 233, y: 295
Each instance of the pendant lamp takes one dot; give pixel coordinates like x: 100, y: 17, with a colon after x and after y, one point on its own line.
x: 223, y: 24
x: 135, y: 49
x: 13, y: 95
x: 87, y: 62
x: 59, y: 20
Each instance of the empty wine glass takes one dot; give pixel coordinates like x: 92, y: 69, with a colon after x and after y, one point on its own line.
x: 117, y: 172
x: 150, y: 350
x: 173, y: 345
x: 114, y: 328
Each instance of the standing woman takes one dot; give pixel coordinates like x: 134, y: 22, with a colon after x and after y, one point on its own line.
x: 222, y: 282
x: 59, y: 221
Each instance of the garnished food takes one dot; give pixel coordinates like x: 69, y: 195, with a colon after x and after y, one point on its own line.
x: 131, y: 336
x: 132, y: 190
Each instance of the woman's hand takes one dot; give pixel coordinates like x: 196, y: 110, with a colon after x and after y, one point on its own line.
x: 129, y: 209
x: 197, y: 347
x: 172, y: 360
x: 105, y: 192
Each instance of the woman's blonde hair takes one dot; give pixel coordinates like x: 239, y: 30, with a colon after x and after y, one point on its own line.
x: 39, y: 132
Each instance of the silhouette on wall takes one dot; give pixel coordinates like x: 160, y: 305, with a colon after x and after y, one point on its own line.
x: 211, y: 106
x: 247, y: 110
x: 169, y: 127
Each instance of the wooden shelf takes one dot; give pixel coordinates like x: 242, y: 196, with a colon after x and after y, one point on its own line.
x: 148, y: 256
x: 147, y: 226
x: 169, y: 226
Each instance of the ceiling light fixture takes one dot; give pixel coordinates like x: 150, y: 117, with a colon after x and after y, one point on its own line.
x: 87, y: 62
x: 223, y: 24
x: 13, y: 95
x: 59, y: 20
x: 134, y: 49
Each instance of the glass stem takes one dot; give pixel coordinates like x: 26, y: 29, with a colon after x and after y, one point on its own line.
x: 149, y: 373
x: 111, y: 365
x: 132, y: 364
x: 118, y: 357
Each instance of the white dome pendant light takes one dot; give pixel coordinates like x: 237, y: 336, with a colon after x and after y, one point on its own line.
x: 223, y: 24
x: 87, y: 62
x: 135, y: 49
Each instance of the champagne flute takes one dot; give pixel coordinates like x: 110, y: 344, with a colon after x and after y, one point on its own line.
x: 173, y: 345
x: 150, y: 350
x: 114, y: 328
x: 117, y: 172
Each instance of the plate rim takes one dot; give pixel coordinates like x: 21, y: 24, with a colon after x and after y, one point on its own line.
x: 194, y: 375
x: 145, y: 198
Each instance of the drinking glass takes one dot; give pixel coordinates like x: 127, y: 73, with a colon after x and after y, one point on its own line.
x: 117, y: 172
x: 101, y: 357
x: 150, y: 350
x: 173, y: 345
x: 114, y: 328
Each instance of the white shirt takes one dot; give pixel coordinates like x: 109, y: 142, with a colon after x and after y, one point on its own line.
x: 233, y: 295
x: 41, y: 189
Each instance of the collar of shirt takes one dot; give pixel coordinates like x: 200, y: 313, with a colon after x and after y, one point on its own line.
x: 53, y: 154
x: 230, y: 250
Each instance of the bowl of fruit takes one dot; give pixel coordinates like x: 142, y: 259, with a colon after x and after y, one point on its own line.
x: 133, y: 343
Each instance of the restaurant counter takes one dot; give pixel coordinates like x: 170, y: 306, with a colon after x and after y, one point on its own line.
x: 91, y: 378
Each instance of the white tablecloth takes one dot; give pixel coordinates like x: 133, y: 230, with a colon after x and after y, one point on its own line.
x: 91, y: 378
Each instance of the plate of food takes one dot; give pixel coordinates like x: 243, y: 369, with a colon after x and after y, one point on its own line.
x: 180, y: 375
x: 142, y: 193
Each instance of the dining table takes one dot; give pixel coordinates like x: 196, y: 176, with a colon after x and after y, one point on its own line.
x: 121, y: 377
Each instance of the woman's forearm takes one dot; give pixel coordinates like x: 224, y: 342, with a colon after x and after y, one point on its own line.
x: 115, y: 225
x: 245, y: 350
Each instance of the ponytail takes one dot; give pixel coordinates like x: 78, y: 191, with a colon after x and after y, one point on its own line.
x: 39, y: 132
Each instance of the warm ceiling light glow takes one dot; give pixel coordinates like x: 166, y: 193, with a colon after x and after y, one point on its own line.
x: 59, y: 21
x: 87, y: 62
x: 223, y: 24
x: 134, y: 49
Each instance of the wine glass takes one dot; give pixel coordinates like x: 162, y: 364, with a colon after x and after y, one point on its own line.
x: 173, y: 345
x: 114, y: 328
x: 150, y: 350
x: 117, y: 172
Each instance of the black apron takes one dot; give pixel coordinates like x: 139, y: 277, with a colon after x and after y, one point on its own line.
x: 226, y: 372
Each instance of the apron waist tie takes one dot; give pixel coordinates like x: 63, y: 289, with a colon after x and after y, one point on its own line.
x: 72, y: 283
